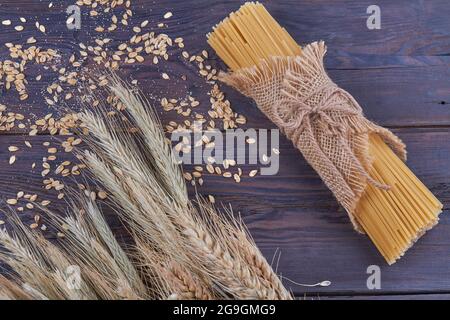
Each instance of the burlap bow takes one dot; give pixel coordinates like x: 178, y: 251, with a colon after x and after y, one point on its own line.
x: 322, y: 120
x: 306, y: 116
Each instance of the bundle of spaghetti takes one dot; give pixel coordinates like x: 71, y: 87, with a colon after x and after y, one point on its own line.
x: 394, y: 208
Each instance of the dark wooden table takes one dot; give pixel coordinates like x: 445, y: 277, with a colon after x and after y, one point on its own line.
x: 400, y: 74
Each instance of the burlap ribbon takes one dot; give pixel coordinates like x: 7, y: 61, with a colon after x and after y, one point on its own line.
x: 322, y: 120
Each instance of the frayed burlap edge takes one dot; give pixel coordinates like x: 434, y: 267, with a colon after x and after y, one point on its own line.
x: 322, y: 120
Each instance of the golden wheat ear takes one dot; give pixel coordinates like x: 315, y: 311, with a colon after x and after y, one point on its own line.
x: 392, y: 219
x: 189, y: 247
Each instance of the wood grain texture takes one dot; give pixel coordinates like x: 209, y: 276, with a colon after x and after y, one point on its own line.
x: 413, y: 96
x: 295, y: 213
x: 400, y: 78
x: 399, y: 74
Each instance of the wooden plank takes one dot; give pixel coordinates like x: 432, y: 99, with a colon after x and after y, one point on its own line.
x: 409, y: 27
x: 414, y: 96
x: 397, y: 84
x: 399, y: 74
x: 293, y: 212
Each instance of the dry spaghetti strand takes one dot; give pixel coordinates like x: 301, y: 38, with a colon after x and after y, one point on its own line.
x: 392, y: 219
x: 250, y: 35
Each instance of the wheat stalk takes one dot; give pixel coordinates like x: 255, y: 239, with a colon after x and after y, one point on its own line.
x: 160, y: 151
x: 11, y: 290
x: 37, y: 262
x: 232, y: 275
x: 181, y: 249
x: 225, y: 244
x: 42, y: 266
x: 97, y: 250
